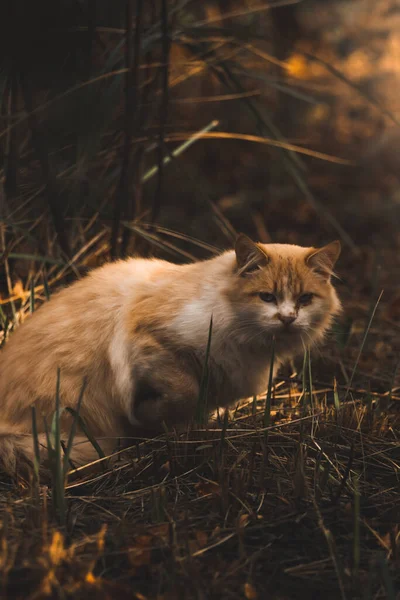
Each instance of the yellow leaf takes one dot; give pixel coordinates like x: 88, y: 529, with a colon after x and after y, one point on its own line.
x: 205, y: 488
x: 57, y: 551
x: 90, y: 578
x: 250, y: 591
x: 161, y: 530
x: 215, y: 532
x: 296, y: 66
x: 139, y: 557
x: 243, y: 521
x: 201, y: 538
x: 166, y: 467
x: 143, y: 540
x: 18, y: 289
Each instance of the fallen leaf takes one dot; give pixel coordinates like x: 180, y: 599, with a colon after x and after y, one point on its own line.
x: 139, y: 557
x: 250, y: 591
x: 90, y: 578
x: 18, y: 289
x: 215, y: 532
x: 201, y: 538
x: 161, y: 530
x: 243, y: 521
x: 205, y: 488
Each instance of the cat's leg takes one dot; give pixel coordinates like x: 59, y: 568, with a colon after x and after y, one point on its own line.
x: 164, y: 392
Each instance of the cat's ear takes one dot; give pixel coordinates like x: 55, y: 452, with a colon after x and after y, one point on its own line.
x: 323, y: 259
x: 249, y: 256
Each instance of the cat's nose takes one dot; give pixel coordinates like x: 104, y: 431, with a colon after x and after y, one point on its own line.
x: 287, y: 319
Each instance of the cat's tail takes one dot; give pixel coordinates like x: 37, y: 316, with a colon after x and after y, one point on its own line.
x: 17, y: 451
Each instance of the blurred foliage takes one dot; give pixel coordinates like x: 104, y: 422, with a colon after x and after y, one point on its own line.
x: 93, y: 95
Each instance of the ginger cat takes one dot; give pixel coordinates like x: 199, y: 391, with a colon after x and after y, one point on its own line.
x: 138, y: 330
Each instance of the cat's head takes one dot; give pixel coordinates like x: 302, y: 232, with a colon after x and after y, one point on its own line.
x: 285, y: 290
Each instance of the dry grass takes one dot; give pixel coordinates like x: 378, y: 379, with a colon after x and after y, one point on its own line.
x: 310, y: 510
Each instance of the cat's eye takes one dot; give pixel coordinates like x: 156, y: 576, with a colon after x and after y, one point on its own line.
x: 266, y: 297
x: 305, y: 298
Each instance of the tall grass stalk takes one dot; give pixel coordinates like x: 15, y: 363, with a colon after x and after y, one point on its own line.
x: 58, y: 465
x: 36, y: 450
x: 180, y: 149
x: 57, y: 470
x: 386, y: 577
x: 362, y: 345
x: 32, y: 296
x: 305, y: 380
x: 267, y: 409
x: 202, y: 402
x: 356, y: 531
x: 310, y: 393
x: 333, y: 552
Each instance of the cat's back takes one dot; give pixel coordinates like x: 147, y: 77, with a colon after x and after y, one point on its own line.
x: 96, y: 298
x: 76, y: 326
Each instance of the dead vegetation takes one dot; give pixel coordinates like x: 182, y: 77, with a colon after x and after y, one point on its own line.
x: 235, y: 510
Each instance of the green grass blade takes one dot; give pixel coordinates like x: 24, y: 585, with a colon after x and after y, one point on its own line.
x: 36, y: 451
x: 305, y: 381
x: 254, y: 406
x: 36, y: 257
x: 310, y: 383
x: 50, y: 448
x: 363, y: 344
x: 57, y: 470
x: 82, y: 425
x: 46, y: 286
x: 202, y: 410
x: 5, y: 325
x: 310, y: 393
x: 32, y: 297
x: 341, y: 332
x: 332, y: 551
x: 386, y: 578
x: 356, y: 533
x: 73, y: 427
x: 336, y: 400
x: 267, y: 410
x: 3, y: 319
x: 336, y: 561
x: 223, y: 433
x: 175, y: 153
x: 325, y: 468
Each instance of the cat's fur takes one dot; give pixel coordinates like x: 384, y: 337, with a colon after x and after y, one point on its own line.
x: 138, y: 330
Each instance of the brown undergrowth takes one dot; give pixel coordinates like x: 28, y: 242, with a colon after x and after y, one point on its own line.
x: 305, y: 507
